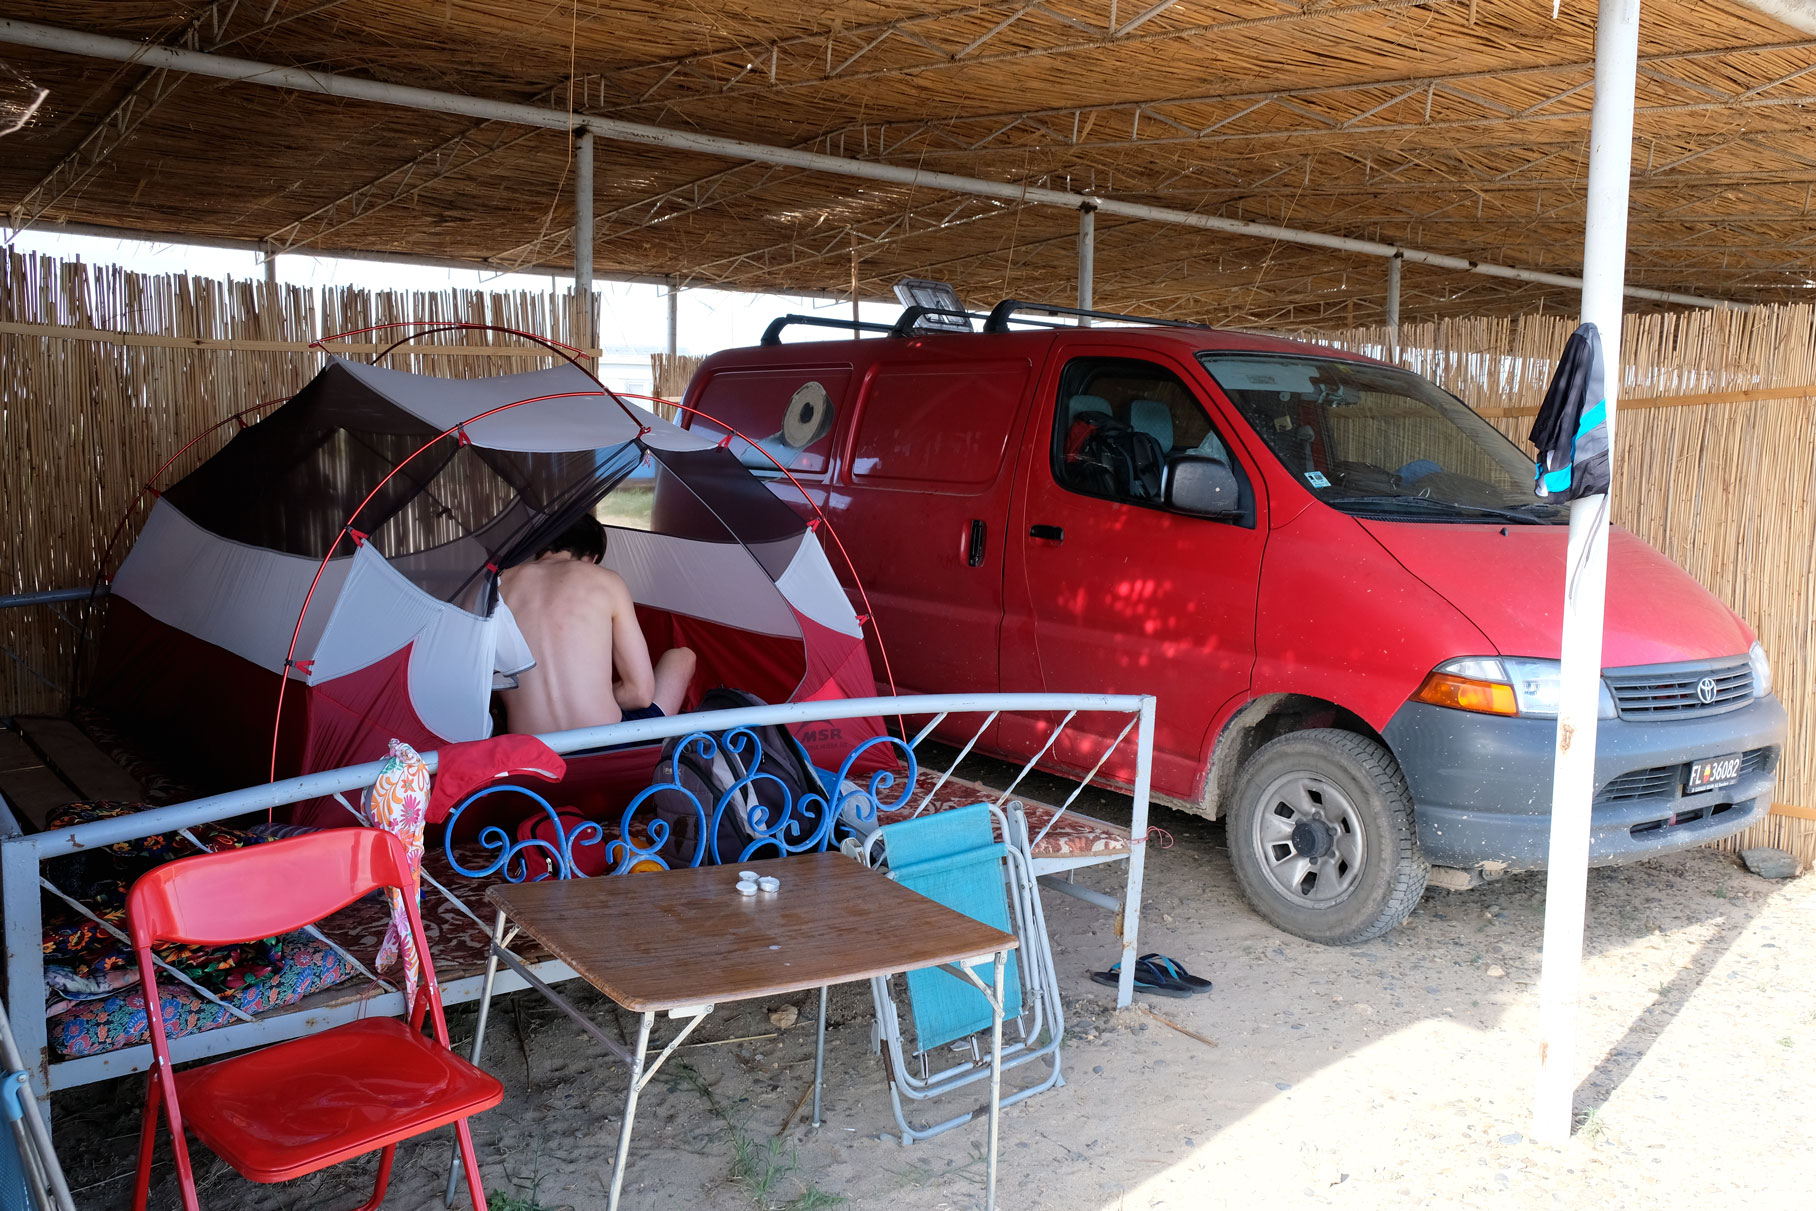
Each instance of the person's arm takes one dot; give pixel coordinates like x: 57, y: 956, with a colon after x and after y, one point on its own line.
x: 633, y: 678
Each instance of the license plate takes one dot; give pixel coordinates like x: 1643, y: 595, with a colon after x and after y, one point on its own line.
x: 1712, y: 772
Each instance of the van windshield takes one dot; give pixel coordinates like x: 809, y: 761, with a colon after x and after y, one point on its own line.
x: 1381, y: 442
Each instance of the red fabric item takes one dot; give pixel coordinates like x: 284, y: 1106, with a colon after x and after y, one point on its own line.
x: 589, y: 855
x: 212, y: 710
x: 838, y: 667
x: 465, y: 768
x: 769, y: 666
x: 206, y: 710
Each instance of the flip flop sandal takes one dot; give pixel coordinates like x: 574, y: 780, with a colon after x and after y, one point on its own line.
x: 1149, y: 978
x: 1176, y: 972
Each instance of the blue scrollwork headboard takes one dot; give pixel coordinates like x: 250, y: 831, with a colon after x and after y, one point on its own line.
x: 772, y: 817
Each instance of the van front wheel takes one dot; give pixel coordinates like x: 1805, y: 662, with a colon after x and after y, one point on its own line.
x: 1322, y: 837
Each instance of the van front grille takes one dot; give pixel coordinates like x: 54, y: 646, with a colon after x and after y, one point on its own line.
x: 1681, y: 691
x: 1665, y: 781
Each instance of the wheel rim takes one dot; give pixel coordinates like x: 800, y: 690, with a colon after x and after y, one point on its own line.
x: 1310, y: 840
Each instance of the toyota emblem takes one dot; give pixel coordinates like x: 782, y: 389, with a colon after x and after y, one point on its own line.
x: 1705, y: 690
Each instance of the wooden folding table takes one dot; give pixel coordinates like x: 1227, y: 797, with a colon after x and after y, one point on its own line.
x: 680, y: 942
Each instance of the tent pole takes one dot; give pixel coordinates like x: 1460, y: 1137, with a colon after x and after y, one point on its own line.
x: 583, y: 241
x: 1586, y: 577
x: 1087, y: 254
x: 226, y: 67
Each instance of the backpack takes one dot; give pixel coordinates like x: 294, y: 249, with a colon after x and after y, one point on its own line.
x: 1116, y: 460
x: 686, y: 776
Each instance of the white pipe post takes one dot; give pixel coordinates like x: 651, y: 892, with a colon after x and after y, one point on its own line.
x: 1087, y: 253
x: 674, y: 313
x: 1394, y: 264
x: 583, y: 241
x: 1585, y: 583
x: 302, y: 79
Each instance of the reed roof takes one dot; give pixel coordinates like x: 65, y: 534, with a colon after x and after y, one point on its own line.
x: 1458, y: 126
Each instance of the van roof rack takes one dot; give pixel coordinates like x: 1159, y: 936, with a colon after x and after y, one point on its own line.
x: 1003, y: 314
x: 1000, y: 317
x: 772, y: 335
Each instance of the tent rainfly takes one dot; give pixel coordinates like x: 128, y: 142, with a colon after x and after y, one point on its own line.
x: 352, y: 542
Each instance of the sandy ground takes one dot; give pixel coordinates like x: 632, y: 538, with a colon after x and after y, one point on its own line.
x: 1393, y: 1074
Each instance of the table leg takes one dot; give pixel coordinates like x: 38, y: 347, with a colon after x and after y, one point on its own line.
x: 479, y: 1040
x: 630, y: 1107
x: 819, y: 1057
x: 996, y: 1082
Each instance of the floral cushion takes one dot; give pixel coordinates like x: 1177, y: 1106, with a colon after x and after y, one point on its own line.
x: 113, y: 1022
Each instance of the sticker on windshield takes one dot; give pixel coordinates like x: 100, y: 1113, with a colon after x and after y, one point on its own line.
x: 1316, y: 479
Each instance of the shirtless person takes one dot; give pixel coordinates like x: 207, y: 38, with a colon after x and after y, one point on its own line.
x: 592, y: 665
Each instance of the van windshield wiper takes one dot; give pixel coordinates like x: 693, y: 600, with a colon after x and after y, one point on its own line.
x: 1451, y: 507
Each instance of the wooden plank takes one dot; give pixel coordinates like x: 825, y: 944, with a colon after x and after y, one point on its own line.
x: 1794, y: 811
x: 676, y: 938
x: 78, y: 760
x: 31, y: 787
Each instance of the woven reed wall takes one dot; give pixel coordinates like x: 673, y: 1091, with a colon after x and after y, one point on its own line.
x: 104, y: 374
x: 1715, y: 466
x: 671, y: 374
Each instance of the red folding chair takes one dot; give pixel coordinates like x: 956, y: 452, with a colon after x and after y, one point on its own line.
x: 293, y: 1108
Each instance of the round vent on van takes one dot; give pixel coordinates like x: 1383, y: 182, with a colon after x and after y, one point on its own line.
x: 809, y: 416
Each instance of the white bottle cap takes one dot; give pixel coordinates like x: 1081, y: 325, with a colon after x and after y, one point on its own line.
x: 747, y: 889
x: 769, y: 883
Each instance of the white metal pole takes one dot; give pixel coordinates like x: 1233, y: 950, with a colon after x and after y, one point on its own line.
x: 302, y: 79
x: 583, y: 240
x: 1585, y: 586
x: 1087, y: 253
x: 1394, y: 264
x: 674, y: 314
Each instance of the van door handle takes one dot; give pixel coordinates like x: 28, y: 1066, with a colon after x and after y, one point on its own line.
x: 1053, y: 533
x: 974, y: 549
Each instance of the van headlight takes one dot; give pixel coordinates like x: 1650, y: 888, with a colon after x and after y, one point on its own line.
x: 1494, y: 685
x: 1762, y: 670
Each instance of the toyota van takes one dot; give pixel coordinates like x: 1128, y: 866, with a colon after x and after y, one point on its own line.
x: 1333, y: 575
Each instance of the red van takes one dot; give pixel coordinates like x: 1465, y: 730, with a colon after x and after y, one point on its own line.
x: 1333, y: 575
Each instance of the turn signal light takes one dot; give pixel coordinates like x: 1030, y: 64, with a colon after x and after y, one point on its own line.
x: 1467, y: 694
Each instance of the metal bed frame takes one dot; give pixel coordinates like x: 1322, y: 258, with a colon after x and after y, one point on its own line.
x: 22, y: 882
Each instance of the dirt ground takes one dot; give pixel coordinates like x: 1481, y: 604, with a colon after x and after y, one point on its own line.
x: 1393, y: 1074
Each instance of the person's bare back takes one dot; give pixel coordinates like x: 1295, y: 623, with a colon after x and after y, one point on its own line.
x: 592, y: 664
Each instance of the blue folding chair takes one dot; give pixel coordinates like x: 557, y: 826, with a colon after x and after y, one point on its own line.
x: 30, y: 1177
x: 954, y: 858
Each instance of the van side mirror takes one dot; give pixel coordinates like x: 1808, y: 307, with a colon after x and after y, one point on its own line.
x: 1203, y: 487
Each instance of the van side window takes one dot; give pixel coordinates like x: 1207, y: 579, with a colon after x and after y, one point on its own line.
x: 1120, y: 422
x: 774, y: 419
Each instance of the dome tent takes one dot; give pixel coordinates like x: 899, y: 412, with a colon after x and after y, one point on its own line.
x: 343, y: 555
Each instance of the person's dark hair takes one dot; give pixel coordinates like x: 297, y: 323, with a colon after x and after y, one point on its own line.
x: 585, y: 539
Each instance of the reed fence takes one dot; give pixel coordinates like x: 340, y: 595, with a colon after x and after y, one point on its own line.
x: 105, y: 373
x: 1715, y: 465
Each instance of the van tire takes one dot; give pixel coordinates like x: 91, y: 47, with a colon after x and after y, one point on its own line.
x: 1326, y: 807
